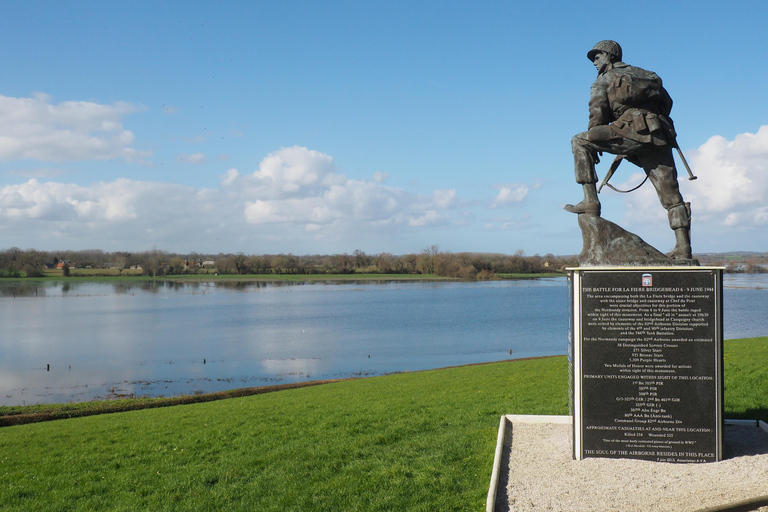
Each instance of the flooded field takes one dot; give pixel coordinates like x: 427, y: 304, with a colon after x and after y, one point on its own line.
x: 73, y: 341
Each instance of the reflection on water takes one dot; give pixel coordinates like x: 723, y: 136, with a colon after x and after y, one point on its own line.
x: 27, y: 288
x: 24, y: 288
x: 164, y: 338
x: 754, y: 281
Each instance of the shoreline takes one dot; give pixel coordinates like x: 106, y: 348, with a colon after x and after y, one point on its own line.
x: 17, y: 415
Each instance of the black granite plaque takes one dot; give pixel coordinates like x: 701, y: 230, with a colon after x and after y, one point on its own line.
x: 650, y: 362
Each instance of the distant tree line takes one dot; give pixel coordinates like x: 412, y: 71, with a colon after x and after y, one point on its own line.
x: 15, y: 262
x: 430, y: 261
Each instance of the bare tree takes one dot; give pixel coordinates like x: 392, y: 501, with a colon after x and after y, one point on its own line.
x: 242, y: 263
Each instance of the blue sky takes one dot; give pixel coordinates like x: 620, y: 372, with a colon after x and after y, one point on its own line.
x: 325, y: 127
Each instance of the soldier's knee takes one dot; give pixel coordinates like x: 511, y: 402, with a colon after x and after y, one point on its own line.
x: 665, y: 176
x: 579, y: 142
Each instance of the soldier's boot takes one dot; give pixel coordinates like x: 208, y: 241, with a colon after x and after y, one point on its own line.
x: 682, y: 250
x: 590, y: 204
x: 680, y: 221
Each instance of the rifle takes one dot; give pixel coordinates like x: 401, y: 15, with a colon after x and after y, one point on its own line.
x: 617, y: 161
x: 615, y: 165
x: 691, y: 177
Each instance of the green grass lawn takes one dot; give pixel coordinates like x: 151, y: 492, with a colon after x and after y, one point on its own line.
x: 746, y: 378
x: 419, y: 441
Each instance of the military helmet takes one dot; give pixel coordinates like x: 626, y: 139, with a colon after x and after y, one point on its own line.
x: 607, y: 46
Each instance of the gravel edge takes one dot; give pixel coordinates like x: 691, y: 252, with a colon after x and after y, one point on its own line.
x: 537, y: 472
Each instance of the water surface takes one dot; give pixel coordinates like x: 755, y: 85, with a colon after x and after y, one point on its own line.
x: 73, y: 341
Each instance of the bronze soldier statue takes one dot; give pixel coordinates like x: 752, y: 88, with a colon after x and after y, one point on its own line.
x: 629, y: 116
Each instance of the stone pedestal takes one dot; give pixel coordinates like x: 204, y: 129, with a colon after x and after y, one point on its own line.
x: 646, y: 353
x: 608, y: 244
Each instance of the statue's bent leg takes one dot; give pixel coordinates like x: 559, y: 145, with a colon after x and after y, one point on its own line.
x: 660, y: 168
x: 584, y: 156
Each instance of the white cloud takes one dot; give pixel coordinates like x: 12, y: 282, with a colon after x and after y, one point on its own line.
x: 261, y: 212
x: 445, y: 198
x: 116, y: 201
x: 731, y: 187
x: 33, y: 128
x: 299, y: 186
x: 229, y: 178
x: 510, y: 194
x: 429, y: 218
x: 121, y: 213
x: 294, y: 192
x: 733, y: 177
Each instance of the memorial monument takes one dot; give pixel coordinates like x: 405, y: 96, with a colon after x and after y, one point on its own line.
x: 646, y: 328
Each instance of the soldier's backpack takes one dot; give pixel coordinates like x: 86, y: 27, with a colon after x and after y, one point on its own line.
x: 637, y: 87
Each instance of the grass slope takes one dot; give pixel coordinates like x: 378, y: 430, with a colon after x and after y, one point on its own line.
x: 746, y: 378
x: 417, y: 441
